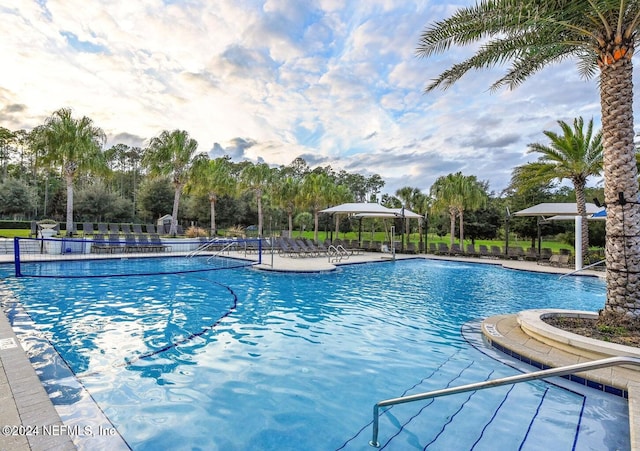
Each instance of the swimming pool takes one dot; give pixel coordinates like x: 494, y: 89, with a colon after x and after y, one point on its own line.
x: 242, y: 359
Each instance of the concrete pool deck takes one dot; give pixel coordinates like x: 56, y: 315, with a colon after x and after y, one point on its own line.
x: 25, y: 403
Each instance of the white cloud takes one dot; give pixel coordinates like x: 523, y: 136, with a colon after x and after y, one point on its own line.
x: 337, y: 83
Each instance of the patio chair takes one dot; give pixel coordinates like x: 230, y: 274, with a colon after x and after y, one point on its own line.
x: 470, y: 251
x: 99, y: 245
x: 114, y: 228
x: 115, y: 246
x: 87, y: 228
x: 126, y: 228
x: 496, y: 252
x: 483, y: 251
x: 34, y: 229
x: 103, y: 228
x: 150, y: 228
x: 137, y: 229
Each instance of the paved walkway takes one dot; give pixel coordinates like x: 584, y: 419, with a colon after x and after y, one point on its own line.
x: 25, y: 403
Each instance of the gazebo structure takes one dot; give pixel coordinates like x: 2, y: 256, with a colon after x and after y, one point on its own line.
x: 551, y: 211
x: 371, y: 210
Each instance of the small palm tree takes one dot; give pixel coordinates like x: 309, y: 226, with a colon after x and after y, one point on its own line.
x: 602, y: 36
x: 457, y: 193
x: 287, y: 191
x: 315, y: 189
x: 75, y: 145
x: 575, y: 155
x: 213, y: 178
x: 171, y: 154
x: 257, y: 178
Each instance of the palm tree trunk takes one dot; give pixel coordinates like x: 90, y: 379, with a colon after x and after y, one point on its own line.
x: 461, y: 213
x: 212, y: 201
x: 582, y: 211
x: 452, y: 215
x: 316, y: 223
x: 69, y: 181
x: 174, y: 214
x: 622, y: 250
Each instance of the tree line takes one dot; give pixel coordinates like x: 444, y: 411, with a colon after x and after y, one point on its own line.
x: 60, y: 170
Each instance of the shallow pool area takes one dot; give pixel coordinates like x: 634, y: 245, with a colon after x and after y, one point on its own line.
x: 241, y: 359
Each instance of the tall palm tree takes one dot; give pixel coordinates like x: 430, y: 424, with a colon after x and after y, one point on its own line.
x: 457, y: 193
x: 75, y: 145
x: 287, y: 193
x: 408, y: 196
x: 257, y: 178
x: 575, y: 155
x: 315, y: 188
x: 601, y: 35
x: 171, y: 154
x: 213, y: 178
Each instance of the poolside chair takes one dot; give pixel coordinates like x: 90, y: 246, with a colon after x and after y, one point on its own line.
x: 156, y: 243
x: 144, y: 245
x: 432, y: 248
x: 411, y: 248
x: 137, y: 229
x: 531, y: 255
x: 443, y: 249
x: 470, y: 251
x: 114, y: 228
x: 87, y: 228
x: 115, y: 246
x: 496, y: 252
x: 99, y: 245
x: 34, y: 229
x: 130, y: 243
x: 483, y: 251
x: 455, y: 249
x: 103, y: 228
x: 150, y: 228
x: 126, y: 228
x: 515, y: 253
x: 554, y: 260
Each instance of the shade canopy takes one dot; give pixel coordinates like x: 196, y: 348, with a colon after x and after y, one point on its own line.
x: 359, y: 207
x: 556, y: 209
x: 395, y: 213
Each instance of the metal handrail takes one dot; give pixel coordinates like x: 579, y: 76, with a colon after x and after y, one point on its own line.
x: 219, y: 253
x: 562, y: 371
x: 583, y: 268
x: 204, y: 246
x: 336, y: 253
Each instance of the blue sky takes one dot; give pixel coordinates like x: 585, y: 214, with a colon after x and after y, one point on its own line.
x: 336, y: 82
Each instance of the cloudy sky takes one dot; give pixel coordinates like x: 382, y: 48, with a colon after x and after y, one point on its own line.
x: 336, y: 82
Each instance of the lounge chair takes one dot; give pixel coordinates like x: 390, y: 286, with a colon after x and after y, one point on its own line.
x: 34, y: 229
x: 99, y: 245
x: 87, y: 228
x: 115, y: 246
x: 156, y: 243
x: 137, y: 229
x: 150, y: 228
x: 496, y: 252
x: 432, y: 248
x: 114, y: 228
x: 483, y: 250
x: 126, y: 228
x: 443, y: 249
x: 103, y: 228
x: 455, y: 249
x: 130, y: 243
x: 470, y: 251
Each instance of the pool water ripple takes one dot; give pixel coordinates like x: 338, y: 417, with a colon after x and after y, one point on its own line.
x: 302, y: 358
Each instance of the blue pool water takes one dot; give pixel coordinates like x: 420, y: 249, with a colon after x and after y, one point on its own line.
x: 248, y: 360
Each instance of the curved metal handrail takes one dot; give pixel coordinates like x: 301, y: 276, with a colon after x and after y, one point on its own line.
x: 561, y: 371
